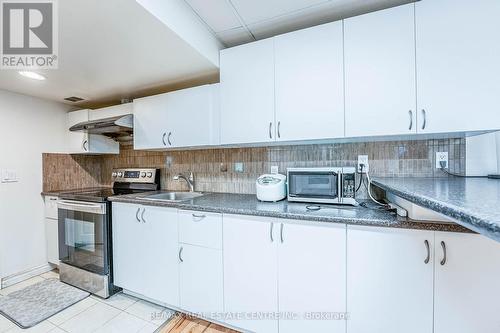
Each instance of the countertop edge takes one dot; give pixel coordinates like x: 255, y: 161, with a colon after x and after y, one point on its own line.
x: 458, y: 215
x: 416, y: 225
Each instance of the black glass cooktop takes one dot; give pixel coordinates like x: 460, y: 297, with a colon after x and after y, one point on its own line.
x: 96, y: 195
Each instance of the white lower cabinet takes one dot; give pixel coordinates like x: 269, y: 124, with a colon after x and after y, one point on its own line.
x: 250, y: 273
x: 281, y: 270
x: 467, y: 292
x: 389, y: 283
x: 311, y: 278
x: 201, y: 284
x: 145, y: 251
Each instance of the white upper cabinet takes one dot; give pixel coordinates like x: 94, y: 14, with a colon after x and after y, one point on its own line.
x: 389, y: 280
x: 467, y: 295
x: 458, y: 65
x: 247, y: 93
x: 182, y: 118
x: 310, y: 83
x: 312, y: 272
x: 83, y: 143
x: 111, y: 111
x: 380, y: 73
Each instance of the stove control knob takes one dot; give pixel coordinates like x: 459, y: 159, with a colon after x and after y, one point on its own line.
x: 143, y: 174
x: 150, y: 174
x: 120, y: 174
x: 114, y: 174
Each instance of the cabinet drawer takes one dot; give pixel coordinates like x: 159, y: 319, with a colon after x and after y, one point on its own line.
x: 200, y: 228
x: 51, y: 207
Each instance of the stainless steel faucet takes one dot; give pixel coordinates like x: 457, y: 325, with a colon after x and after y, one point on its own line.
x: 189, y: 180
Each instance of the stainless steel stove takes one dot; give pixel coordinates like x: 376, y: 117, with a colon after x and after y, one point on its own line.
x: 85, y: 234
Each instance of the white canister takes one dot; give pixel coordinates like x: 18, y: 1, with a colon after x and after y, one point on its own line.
x: 271, y: 187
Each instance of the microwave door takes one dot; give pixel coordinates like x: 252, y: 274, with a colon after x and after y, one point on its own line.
x: 324, y: 185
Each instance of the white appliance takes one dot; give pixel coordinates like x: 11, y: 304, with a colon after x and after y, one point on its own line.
x: 271, y: 187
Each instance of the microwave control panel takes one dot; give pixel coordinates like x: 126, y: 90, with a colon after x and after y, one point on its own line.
x: 348, y: 185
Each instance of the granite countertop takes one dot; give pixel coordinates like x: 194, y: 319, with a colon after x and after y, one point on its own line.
x: 246, y: 204
x: 472, y: 202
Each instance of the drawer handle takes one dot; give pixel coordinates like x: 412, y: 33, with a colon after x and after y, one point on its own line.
x: 270, y: 128
x: 168, y: 138
x: 142, y: 216
x: 443, y: 262
x: 427, y: 247
x: 411, y: 120
x: 163, y: 138
x: 271, y: 232
x: 180, y: 254
x: 199, y: 217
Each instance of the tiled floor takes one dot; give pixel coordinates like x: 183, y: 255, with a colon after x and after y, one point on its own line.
x: 120, y: 313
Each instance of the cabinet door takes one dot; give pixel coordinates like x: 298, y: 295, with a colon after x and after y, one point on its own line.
x: 52, y: 238
x: 310, y: 83
x: 129, y: 253
x: 201, y: 284
x: 457, y: 65
x: 150, y: 122
x: 160, y: 266
x: 190, y: 114
x: 467, y: 293
x: 250, y: 272
x: 247, y: 93
x: 380, y: 73
x: 389, y: 283
x: 312, y: 272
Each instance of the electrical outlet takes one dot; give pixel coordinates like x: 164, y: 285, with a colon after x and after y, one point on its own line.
x: 442, y: 157
x: 363, y: 159
x: 274, y: 169
x: 239, y: 167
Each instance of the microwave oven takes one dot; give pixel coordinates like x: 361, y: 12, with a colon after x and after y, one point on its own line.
x: 322, y: 185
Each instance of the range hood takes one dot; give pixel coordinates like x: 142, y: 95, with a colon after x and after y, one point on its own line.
x: 115, y: 127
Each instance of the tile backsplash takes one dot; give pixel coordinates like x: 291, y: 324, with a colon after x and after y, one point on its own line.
x: 214, y: 169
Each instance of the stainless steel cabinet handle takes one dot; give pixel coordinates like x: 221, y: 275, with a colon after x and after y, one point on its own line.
x: 142, y: 215
x: 163, y: 138
x: 424, y: 115
x: 271, y: 232
x: 168, y: 138
x: 426, y: 261
x: 443, y: 245
x: 279, y: 125
x: 199, y: 217
x: 137, y: 214
x: 85, y: 145
x: 180, y: 254
x: 270, y: 128
x: 281, y: 233
x: 410, y: 112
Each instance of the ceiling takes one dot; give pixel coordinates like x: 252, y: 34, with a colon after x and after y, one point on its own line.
x: 114, y: 49
x: 237, y: 22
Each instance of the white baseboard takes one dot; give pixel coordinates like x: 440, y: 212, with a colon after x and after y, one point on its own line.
x: 19, y: 277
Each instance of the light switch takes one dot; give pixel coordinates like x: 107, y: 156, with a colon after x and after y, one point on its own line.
x: 9, y: 176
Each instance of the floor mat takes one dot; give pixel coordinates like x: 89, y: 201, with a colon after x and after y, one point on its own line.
x: 35, y: 303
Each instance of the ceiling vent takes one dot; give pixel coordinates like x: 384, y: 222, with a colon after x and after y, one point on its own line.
x: 73, y: 99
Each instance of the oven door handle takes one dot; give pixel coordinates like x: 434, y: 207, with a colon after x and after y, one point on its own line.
x: 80, y: 206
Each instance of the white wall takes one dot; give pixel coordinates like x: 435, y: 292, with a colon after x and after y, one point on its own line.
x: 481, y: 156
x: 28, y: 128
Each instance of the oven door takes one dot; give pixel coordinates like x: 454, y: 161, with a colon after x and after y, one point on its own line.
x: 83, y: 230
x: 320, y: 186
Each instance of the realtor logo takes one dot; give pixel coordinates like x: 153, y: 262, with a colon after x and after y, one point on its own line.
x: 29, y: 34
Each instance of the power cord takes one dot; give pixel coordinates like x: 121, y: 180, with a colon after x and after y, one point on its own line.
x: 362, y: 166
x: 442, y: 164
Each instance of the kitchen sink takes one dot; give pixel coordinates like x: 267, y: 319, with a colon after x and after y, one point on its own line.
x: 173, y: 196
